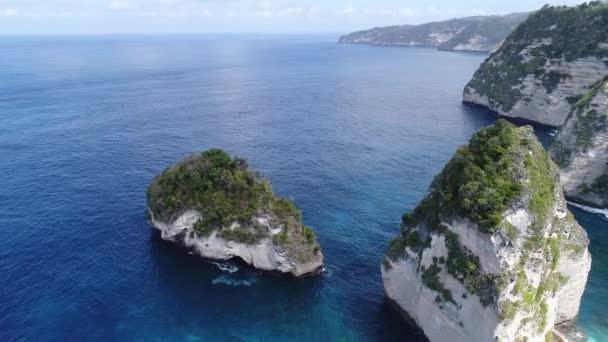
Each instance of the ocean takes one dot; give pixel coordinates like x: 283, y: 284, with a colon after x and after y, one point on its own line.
x: 353, y: 134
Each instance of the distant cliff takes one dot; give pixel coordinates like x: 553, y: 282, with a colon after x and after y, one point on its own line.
x: 581, y: 148
x: 481, y: 33
x: 549, y: 61
x: 492, y: 252
x: 220, y: 209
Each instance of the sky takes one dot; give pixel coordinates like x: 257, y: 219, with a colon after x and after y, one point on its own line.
x: 276, y: 16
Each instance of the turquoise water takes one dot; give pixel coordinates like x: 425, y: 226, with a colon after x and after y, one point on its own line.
x: 354, y: 134
x: 593, y: 316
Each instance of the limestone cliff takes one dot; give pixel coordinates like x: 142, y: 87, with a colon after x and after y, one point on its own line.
x: 480, y: 33
x: 491, y: 253
x: 217, y: 207
x: 551, y: 59
x: 581, y: 148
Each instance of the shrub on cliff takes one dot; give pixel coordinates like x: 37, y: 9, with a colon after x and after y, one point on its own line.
x: 479, y: 182
x: 547, y: 38
x: 224, y: 190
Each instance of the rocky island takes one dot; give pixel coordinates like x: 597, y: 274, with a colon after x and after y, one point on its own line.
x: 549, y: 62
x: 552, y: 70
x: 479, y: 33
x: 581, y: 148
x: 492, y: 252
x: 220, y: 209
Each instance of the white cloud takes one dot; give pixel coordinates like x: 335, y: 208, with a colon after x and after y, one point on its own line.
x: 264, y: 4
x: 265, y: 13
x: 379, y: 12
x: 406, y: 12
x: 479, y: 12
x: 289, y: 11
x: 9, y: 12
x: 433, y: 10
x: 348, y: 10
x: 151, y: 14
x: 313, y: 10
x: 266, y: 10
x: 387, y: 12
x: 119, y: 5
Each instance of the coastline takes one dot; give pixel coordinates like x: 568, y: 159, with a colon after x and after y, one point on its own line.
x: 594, y: 210
x: 238, y: 252
x: 514, y: 119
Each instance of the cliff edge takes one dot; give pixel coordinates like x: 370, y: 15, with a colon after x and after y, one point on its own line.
x: 548, y: 61
x: 581, y: 148
x: 492, y: 252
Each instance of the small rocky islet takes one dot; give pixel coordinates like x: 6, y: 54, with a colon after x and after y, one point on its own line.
x: 220, y: 209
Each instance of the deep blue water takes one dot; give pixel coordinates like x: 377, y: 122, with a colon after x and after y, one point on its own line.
x: 354, y: 134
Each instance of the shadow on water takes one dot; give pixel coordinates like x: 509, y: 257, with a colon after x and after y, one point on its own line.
x: 246, y: 300
x: 397, y: 320
x: 198, y: 284
x: 480, y: 113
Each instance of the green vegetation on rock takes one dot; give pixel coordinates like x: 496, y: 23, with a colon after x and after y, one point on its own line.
x: 588, y: 124
x: 430, y: 278
x: 479, y: 33
x: 549, y: 36
x: 503, y: 167
x: 584, y: 101
x: 543, y: 181
x: 508, y: 310
x: 600, y: 186
x: 542, y: 324
x: 575, y: 32
x: 463, y: 265
x: 222, y: 188
x: 228, y: 195
x: 480, y: 181
x: 583, y: 133
x: 561, y: 154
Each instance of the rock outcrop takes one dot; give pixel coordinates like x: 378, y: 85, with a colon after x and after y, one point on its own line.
x: 551, y: 59
x: 491, y: 253
x: 480, y: 33
x: 218, y: 208
x: 581, y: 148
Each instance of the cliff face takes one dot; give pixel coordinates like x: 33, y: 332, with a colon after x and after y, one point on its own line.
x: 581, y: 148
x: 265, y: 254
x: 550, y: 59
x: 482, y: 33
x: 491, y: 253
x: 217, y: 207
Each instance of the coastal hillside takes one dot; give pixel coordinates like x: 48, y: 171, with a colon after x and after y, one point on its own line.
x: 492, y: 252
x: 581, y: 148
x: 545, y: 65
x: 480, y: 33
x: 216, y: 206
